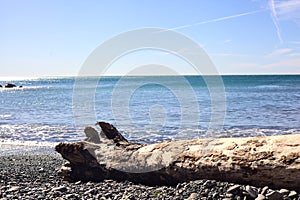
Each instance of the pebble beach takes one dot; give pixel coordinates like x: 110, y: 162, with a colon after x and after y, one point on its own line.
x: 35, y: 176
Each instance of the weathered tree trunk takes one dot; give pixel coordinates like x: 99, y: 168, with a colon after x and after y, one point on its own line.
x: 259, y: 161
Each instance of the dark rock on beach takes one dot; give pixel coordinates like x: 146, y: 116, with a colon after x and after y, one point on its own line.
x: 10, y: 85
x: 36, y: 177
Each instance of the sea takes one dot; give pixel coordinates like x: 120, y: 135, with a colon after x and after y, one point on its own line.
x: 149, y: 109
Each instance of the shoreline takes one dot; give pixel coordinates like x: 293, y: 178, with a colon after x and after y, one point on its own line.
x: 26, y: 147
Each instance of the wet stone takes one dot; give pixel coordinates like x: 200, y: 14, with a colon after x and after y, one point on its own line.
x: 284, y: 191
x: 292, y: 194
x: 264, y: 190
x: 274, y: 195
x: 251, y: 191
x: 60, y: 189
x: 192, y: 196
x: 260, y: 197
x: 233, y: 189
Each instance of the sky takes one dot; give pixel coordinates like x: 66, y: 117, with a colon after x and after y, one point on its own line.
x: 55, y: 37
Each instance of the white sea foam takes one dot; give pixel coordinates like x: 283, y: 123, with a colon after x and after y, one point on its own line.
x: 3, y: 89
x: 152, y: 136
x: 6, y: 116
x: 269, y: 86
x: 13, y: 147
x: 39, y: 133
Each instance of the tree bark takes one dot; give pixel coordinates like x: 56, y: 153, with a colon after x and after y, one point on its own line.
x: 272, y: 160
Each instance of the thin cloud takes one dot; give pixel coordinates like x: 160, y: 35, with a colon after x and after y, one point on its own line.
x: 227, y: 41
x: 291, y: 64
x: 289, y: 10
x: 180, y: 52
x: 294, y: 42
x: 279, y: 52
x: 228, y: 55
x: 294, y: 55
x: 286, y: 66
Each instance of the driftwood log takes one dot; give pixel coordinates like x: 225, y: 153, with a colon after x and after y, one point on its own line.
x: 272, y: 160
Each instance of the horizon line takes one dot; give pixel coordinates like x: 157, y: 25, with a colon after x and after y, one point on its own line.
x: 3, y: 78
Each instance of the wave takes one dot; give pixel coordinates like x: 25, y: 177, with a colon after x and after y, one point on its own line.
x: 13, y: 147
x: 39, y: 133
x: 153, y: 136
x: 45, y: 134
x: 6, y: 117
x: 3, y: 89
x: 270, y: 86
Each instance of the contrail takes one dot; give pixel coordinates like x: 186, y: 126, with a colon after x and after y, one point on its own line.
x: 275, y: 19
x: 272, y: 7
x: 217, y: 19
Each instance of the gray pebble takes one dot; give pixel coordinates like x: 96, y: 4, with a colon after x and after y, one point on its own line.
x: 284, y: 191
x: 60, y: 188
x: 192, y: 196
x: 229, y: 195
x: 89, y: 184
x: 260, y: 197
x: 13, y: 189
x: 264, y: 190
x: 274, y: 195
x: 108, y: 194
x: 292, y: 194
x: 41, y: 169
x: 253, y: 192
x: 78, y: 183
x: 233, y: 188
x: 90, y: 191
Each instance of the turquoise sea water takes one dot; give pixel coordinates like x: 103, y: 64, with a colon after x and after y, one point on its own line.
x: 43, y: 109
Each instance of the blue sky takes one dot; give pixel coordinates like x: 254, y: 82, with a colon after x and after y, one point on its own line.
x: 54, y: 37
